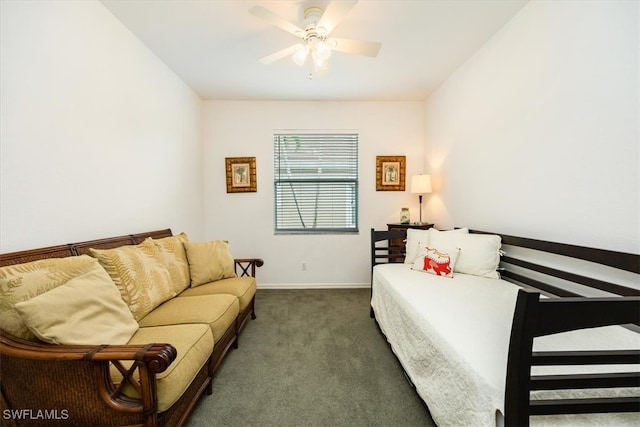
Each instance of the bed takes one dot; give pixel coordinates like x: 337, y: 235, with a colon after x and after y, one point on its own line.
x: 548, y: 342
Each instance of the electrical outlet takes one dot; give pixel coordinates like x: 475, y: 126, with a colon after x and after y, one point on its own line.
x: 304, y: 265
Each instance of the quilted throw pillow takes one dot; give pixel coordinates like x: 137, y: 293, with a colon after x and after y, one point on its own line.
x: 143, y: 281
x: 22, y: 282
x: 436, y: 262
x: 174, y: 258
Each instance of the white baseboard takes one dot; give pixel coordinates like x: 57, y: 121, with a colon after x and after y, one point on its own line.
x: 313, y: 285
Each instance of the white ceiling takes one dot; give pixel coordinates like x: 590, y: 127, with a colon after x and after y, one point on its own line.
x: 214, y: 45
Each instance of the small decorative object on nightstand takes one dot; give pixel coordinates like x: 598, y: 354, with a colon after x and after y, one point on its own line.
x: 404, y: 216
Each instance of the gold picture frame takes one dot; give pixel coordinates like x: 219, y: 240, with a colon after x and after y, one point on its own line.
x: 390, y: 173
x: 241, y: 174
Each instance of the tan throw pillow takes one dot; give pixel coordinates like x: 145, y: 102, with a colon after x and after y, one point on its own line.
x: 85, y: 310
x: 21, y: 282
x: 174, y: 259
x: 144, y: 283
x: 209, y: 261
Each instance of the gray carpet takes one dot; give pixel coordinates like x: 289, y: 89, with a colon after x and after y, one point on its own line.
x: 311, y: 358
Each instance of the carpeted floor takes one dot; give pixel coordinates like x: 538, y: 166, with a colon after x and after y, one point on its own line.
x: 311, y: 358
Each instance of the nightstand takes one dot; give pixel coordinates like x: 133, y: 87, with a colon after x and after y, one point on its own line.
x: 401, y: 243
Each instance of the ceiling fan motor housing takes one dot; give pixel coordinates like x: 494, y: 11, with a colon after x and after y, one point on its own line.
x: 312, y: 16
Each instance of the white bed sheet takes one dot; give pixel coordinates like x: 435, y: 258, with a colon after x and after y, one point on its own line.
x: 452, y: 337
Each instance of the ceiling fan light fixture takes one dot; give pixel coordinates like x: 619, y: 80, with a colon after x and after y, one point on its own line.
x: 319, y: 64
x: 300, y: 55
x: 322, y: 50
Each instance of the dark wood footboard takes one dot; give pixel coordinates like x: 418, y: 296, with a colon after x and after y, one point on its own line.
x: 536, y: 317
x: 585, y: 288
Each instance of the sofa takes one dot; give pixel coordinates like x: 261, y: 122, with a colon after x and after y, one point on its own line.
x: 127, y: 330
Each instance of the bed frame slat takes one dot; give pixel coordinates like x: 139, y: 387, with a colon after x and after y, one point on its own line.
x: 602, y: 357
x: 566, y: 314
x: 545, y: 287
x: 585, y: 406
x: 609, y: 380
x: 576, y: 278
x: 620, y: 260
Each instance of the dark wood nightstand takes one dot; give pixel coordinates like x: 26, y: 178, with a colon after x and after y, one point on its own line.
x: 401, y: 243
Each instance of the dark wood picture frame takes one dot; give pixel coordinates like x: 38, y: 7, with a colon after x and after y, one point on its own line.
x: 390, y: 173
x: 241, y: 174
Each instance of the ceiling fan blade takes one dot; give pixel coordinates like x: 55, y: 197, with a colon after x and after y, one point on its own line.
x: 333, y: 14
x: 279, y: 54
x: 357, y: 47
x: 274, y: 19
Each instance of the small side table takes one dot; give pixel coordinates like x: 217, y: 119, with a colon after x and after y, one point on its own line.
x: 403, y: 227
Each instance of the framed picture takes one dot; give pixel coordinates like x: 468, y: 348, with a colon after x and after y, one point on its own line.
x: 390, y: 173
x: 241, y: 174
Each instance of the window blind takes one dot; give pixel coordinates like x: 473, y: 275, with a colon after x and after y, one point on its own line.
x: 316, y: 182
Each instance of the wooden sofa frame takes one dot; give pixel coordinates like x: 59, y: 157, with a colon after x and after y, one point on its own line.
x: 563, y: 311
x: 73, y: 382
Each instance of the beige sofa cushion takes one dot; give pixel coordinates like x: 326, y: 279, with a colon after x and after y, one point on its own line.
x: 194, y: 345
x: 21, y: 282
x: 85, y: 310
x: 174, y: 258
x: 242, y: 287
x: 209, y: 261
x: 217, y: 311
x: 144, y: 283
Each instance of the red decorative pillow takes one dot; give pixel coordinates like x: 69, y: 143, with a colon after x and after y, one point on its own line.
x: 436, y: 262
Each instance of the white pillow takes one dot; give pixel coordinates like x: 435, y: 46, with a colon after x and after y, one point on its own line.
x: 85, y: 310
x: 416, y: 239
x: 479, y: 253
x: 432, y: 238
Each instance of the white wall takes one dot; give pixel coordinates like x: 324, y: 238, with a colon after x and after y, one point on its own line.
x: 245, y: 128
x: 538, y: 133
x: 98, y: 137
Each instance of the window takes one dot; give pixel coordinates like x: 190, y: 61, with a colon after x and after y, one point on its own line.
x: 316, y: 182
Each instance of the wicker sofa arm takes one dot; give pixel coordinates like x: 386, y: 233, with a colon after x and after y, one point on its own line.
x: 72, y: 383
x: 247, y: 266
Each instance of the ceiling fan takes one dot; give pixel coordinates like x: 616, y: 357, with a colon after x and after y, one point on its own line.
x: 314, y: 37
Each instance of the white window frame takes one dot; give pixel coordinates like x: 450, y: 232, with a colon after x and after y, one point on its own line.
x: 315, y: 182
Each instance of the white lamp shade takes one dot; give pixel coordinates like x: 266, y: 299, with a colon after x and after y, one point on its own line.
x: 421, y: 184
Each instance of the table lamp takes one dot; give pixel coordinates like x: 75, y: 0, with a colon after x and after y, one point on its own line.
x: 421, y: 184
